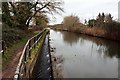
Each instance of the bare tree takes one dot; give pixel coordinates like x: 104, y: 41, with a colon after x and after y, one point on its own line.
x: 71, y: 21
x: 39, y: 6
x: 46, y: 6
x: 108, y: 18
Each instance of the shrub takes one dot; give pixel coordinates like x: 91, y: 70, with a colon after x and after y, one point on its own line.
x: 11, y: 35
x: 71, y: 21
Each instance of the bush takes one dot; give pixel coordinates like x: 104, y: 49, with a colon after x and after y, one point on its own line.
x: 71, y: 21
x: 112, y: 26
x: 11, y: 35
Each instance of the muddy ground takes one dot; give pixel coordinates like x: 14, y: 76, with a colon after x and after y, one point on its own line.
x: 10, y: 68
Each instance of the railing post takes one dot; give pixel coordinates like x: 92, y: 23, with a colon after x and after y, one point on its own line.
x: 29, y: 48
x: 25, y: 69
x: 37, y: 36
x: 25, y: 56
x: 25, y: 59
x: 34, y: 42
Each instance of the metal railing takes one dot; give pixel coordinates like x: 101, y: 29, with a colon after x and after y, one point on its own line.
x: 26, y: 53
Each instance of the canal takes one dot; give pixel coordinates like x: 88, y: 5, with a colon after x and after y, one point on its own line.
x: 85, y: 56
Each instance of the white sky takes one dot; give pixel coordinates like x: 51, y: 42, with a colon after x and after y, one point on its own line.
x: 87, y: 9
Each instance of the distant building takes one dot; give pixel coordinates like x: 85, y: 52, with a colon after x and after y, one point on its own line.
x: 119, y: 11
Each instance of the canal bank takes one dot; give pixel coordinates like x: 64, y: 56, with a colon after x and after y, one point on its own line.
x: 93, y: 31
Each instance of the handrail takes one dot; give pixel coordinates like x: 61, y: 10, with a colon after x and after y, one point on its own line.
x: 31, y: 43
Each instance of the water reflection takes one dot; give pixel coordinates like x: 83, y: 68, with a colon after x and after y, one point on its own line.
x: 109, y: 48
x: 85, y: 56
x: 70, y: 38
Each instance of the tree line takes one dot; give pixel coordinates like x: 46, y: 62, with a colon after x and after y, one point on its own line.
x: 102, y: 26
x: 104, y: 21
x: 17, y: 16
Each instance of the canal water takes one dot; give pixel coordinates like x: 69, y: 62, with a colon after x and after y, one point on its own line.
x: 42, y: 67
x: 85, y: 56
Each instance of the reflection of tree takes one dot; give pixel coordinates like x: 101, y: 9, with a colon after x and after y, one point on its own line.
x: 113, y: 49
x: 56, y: 31
x: 108, y: 47
x: 104, y: 47
x: 70, y: 38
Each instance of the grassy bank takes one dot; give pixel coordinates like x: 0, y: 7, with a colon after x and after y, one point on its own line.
x: 37, y: 48
x: 35, y: 52
x: 14, y: 49
x: 93, y: 31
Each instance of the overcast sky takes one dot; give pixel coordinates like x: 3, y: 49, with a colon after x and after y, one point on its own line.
x: 87, y: 9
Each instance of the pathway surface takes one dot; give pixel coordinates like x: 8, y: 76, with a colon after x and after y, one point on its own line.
x: 9, y: 71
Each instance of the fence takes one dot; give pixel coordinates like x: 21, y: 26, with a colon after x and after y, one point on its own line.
x: 21, y: 67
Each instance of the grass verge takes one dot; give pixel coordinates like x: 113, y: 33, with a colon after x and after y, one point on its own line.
x: 35, y: 50
x: 14, y: 49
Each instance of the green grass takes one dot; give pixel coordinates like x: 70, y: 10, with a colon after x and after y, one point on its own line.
x: 10, y: 51
x: 35, y: 50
